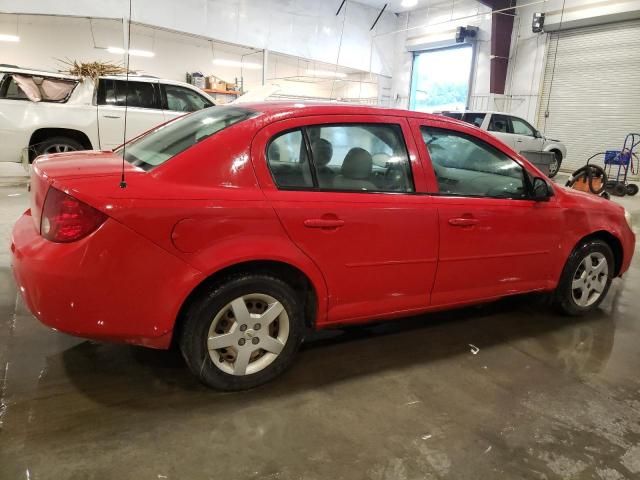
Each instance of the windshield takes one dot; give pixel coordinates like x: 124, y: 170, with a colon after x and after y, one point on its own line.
x: 161, y: 144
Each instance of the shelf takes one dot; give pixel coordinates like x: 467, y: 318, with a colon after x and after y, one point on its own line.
x: 224, y: 92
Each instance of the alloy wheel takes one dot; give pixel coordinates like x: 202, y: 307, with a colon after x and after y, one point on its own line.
x: 554, y: 166
x: 590, y: 279
x: 248, y: 334
x: 59, y: 148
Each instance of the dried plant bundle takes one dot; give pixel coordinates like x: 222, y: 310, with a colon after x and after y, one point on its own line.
x: 91, y: 69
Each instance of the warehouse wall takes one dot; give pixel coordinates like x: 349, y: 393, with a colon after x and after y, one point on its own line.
x: 303, y: 28
x: 431, y: 26
x: 528, y: 50
x: 46, y: 41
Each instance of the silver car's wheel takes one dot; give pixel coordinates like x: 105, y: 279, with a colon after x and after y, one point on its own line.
x: 554, y: 165
x: 590, y: 279
x: 248, y: 334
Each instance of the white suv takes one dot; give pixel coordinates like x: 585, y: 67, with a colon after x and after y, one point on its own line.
x: 515, y: 132
x: 45, y: 112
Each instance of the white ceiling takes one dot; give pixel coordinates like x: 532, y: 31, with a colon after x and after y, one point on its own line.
x: 395, y: 6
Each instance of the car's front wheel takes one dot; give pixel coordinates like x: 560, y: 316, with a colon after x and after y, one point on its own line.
x: 586, y: 278
x: 243, y: 332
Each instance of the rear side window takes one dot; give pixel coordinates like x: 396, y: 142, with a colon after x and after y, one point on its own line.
x: 474, y: 118
x: 168, y: 140
x: 42, y: 89
x: 345, y: 157
x: 288, y: 160
x: 181, y: 99
x: 467, y: 166
x: 138, y: 95
x: 10, y: 90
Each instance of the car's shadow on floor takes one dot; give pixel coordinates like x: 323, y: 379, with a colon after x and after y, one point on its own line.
x: 138, y: 378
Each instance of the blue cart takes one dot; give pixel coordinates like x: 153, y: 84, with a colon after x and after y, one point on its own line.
x: 619, y: 163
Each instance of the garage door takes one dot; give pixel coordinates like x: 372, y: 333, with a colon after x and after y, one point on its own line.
x: 595, y: 97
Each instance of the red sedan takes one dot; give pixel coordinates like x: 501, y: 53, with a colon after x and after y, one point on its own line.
x: 242, y: 226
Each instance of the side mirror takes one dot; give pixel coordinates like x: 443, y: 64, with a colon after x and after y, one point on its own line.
x: 541, y: 190
x: 538, y: 134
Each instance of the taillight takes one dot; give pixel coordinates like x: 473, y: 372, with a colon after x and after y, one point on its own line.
x: 67, y: 219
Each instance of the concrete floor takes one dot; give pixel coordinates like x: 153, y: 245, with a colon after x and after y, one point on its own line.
x: 544, y: 397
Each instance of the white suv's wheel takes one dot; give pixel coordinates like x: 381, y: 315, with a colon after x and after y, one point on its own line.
x: 243, y: 333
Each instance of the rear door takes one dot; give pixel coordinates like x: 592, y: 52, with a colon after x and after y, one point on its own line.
x: 344, y: 187
x: 494, y: 240
x: 143, y: 106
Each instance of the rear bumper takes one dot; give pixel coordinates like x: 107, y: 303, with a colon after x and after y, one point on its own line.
x: 113, y: 285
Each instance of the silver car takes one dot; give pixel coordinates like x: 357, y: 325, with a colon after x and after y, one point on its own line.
x: 515, y: 132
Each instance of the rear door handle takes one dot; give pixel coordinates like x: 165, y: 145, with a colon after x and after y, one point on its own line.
x: 111, y: 116
x: 323, y: 223
x: 463, y: 222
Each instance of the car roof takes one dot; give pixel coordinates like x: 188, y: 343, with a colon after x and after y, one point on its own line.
x: 302, y: 109
x: 40, y: 73
x: 45, y: 73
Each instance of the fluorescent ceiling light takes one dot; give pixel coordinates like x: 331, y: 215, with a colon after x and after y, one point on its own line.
x: 236, y: 63
x: 132, y: 52
x: 326, y: 73
x: 409, y: 3
x: 9, y: 38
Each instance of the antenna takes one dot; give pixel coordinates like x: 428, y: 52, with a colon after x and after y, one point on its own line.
x: 123, y: 183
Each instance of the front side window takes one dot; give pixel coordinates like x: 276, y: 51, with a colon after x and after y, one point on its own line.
x: 520, y: 127
x: 499, y: 124
x: 139, y: 94
x: 166, y: 141
x: 181, y: 99
x: 345, y: 157
x: 467, y: 166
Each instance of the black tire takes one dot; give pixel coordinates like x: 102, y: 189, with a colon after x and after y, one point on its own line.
x: 554, y: 167
x: 563, y: 297
x: 619, y: 189
x: 199, y: 318
x: 49, y: 146
x: 632, y: 189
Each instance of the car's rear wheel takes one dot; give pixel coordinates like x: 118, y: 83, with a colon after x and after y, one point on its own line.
x: 56, y: 145
x: 586, y: 278
x: 554, y: 166
x: 242, y: 333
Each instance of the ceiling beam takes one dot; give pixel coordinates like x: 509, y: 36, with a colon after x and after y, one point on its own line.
x: 501, y: 31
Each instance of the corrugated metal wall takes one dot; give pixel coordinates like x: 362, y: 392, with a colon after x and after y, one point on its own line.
x: 595, y: 97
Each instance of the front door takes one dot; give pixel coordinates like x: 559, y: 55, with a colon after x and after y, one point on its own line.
x: 344, y: 188
x: 525, y: 136
x: 494, y: 240
x: 143, y: 108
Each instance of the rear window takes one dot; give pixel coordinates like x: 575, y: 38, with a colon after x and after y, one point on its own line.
x: 168, y: 140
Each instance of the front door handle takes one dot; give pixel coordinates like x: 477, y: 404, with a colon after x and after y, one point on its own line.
x: 463, y: 222
x: 323, y: 223
x: 111, y: 116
